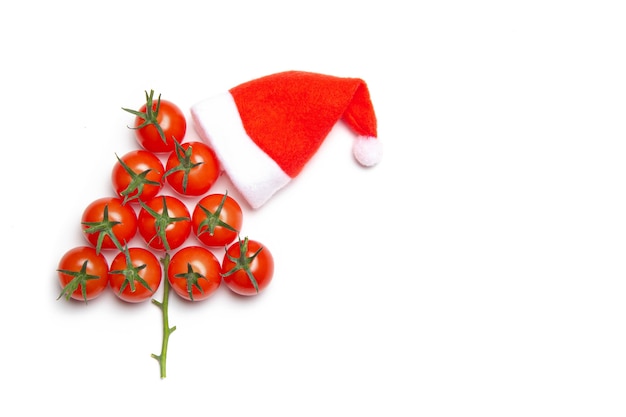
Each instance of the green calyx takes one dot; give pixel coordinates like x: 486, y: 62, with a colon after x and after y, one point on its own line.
x: 192, y: 277
x: 212, y: 220
x: 138, y: 181
x: 131, y: 274
x: 242, y: 262
x: 161, y: 222
x: 103, y: 228
x: 149, y: 116
x: 184, y: 163
x: 79, y: 279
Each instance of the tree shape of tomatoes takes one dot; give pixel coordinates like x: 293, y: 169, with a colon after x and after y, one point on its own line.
x: 164, y: 222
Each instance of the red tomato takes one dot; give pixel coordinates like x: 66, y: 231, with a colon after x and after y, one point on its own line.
x: 158, y: 124
x: 137, y: 175
x: 192, y: 168
x: 109, y: 224
x: 216, y: 220
x: 164, y: 223
x: 135, y: 274
x: 83, y: 273
x: 248, y: 267
x: 194, y: 273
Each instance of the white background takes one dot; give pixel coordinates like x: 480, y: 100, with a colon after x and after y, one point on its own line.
x: 478, y: 270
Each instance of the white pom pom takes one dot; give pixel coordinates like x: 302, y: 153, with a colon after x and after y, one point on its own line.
x: 367, y: 150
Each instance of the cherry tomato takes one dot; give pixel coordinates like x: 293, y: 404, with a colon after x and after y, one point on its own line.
x: 83, y: 273
x: 109, y: 224
x: 164, y: 222
x: 135, y: 274
x: 137, y: 175
x: 216, y: 220
x: 194, y: 273
x: 192, y: 168
x: 248, y: 267
x: 158, y: 124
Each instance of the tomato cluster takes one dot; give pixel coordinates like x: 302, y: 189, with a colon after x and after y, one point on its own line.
x: 164, y: 222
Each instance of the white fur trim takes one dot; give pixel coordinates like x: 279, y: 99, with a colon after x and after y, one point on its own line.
x: 367, y: 150
x: 252, y: 171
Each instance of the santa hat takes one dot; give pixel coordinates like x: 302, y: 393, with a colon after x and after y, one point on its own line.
x: 264, y: 131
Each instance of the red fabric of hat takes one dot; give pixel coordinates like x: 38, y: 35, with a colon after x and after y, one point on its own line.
x: 289, y: 114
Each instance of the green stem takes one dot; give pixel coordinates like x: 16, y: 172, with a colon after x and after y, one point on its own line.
x: 167, y: 330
